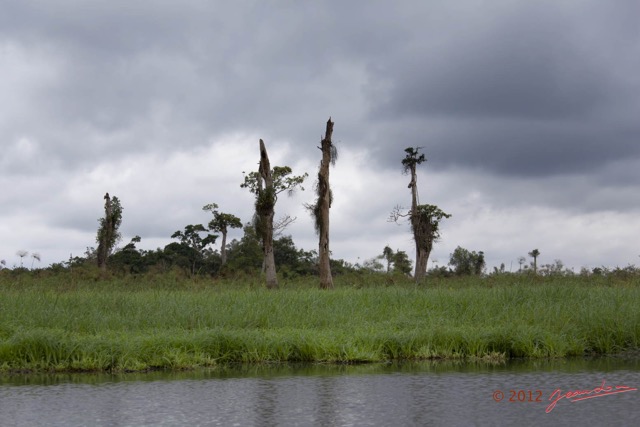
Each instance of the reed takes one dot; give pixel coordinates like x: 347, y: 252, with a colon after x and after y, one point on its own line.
x: 134, y: 325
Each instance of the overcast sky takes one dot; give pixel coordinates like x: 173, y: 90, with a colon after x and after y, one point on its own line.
x: 528, y: 113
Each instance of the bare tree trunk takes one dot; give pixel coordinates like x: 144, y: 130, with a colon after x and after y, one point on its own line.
x: 422, y: 233
x: 421, y: 264
x: 422, y: 236
x: 421, y: 257
x: 266, y: 206
x: 324, y: 204
x: 223, y: 247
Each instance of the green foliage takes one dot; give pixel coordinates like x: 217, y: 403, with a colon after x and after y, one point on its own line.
x: 245, y: 255
x: 191, y: 237
x: 399, y: 260
x: 340, y: 267
x: 500, y: 270
x: 465, y: 262
x: 314, y: 208
x: 191, y: 249
x: 108, y: 234
x: 387, y: 254
x: 440, y: 272
x: 191, y: 256
x: 128, y: 259
x: 266, y: 197
x: 557, y: 268
x: 322, y: 187
x: 282, y: 181
x: 425, y: 222
x: 372, y: 265
x: 401, y: 263
x: 221, y: 221
x: 183, y: 256
x: 429, y: 217
x: 291, y: 261
x: 116, y: 220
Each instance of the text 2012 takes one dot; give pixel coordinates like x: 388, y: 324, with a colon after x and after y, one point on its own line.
x: 519, y: 396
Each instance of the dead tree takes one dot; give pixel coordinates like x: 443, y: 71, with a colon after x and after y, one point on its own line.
x: 265, y: 205
x: 320, y: 210
x: 266, y: 184
x: 425, y: 219
x: 108, y: 233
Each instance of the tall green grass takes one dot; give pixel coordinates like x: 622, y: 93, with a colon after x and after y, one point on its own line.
x: 132, y: 325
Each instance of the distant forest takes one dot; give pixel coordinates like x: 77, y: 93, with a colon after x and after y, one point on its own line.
x: 245, y: 258
x: 265, y: 248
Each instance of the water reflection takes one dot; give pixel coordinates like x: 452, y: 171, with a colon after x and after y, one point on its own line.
x: 434, y: 393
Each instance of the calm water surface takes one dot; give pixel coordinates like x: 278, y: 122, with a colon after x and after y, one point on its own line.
x: 367, y: 395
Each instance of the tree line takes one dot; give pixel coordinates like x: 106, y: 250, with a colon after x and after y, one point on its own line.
x: 266, y: 184
x: 263, y: 247
x: 193, y: 250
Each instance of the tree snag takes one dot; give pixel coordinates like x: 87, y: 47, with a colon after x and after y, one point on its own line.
x: 266, y: 184
x: 108, y: 231
x: 265, y: 209
x: 425, y: 219
x: 320, y: 210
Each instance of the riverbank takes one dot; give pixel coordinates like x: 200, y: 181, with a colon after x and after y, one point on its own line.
x: 121, y: 326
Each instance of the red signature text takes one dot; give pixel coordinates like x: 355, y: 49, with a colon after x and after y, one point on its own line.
x: 578, y: 395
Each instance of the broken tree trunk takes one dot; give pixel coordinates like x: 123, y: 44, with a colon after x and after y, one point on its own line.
x: 265, y: 210
x: 323, y: 206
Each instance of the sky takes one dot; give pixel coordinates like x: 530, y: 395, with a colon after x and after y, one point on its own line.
x: 528, y: 114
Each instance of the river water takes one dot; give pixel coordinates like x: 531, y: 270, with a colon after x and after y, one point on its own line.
x: 412, y: 394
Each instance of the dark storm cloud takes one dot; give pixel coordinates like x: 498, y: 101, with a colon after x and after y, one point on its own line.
x: 169, y: 74
x: 542, y: 60
x: 519, y: 72
x: 514, y: 88
x: 278, y: 68
x: 514, y: 147
x: 542, y: 88
x: 514, y: 103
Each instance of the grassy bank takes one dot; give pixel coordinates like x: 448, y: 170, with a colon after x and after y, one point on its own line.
x: 121, y: 325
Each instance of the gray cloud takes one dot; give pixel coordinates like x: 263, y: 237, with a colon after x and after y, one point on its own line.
x: 537, y: 90
x: 168, y: 77
x: 539, y: 60
x: 532, y: 102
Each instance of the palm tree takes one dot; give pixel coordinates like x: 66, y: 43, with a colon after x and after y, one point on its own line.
x: 34, y: 257
x: 535, y: 254
x: 425, y: 219
x: 387, y: 253
x: 22, y: 253
x: 221, y: 223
